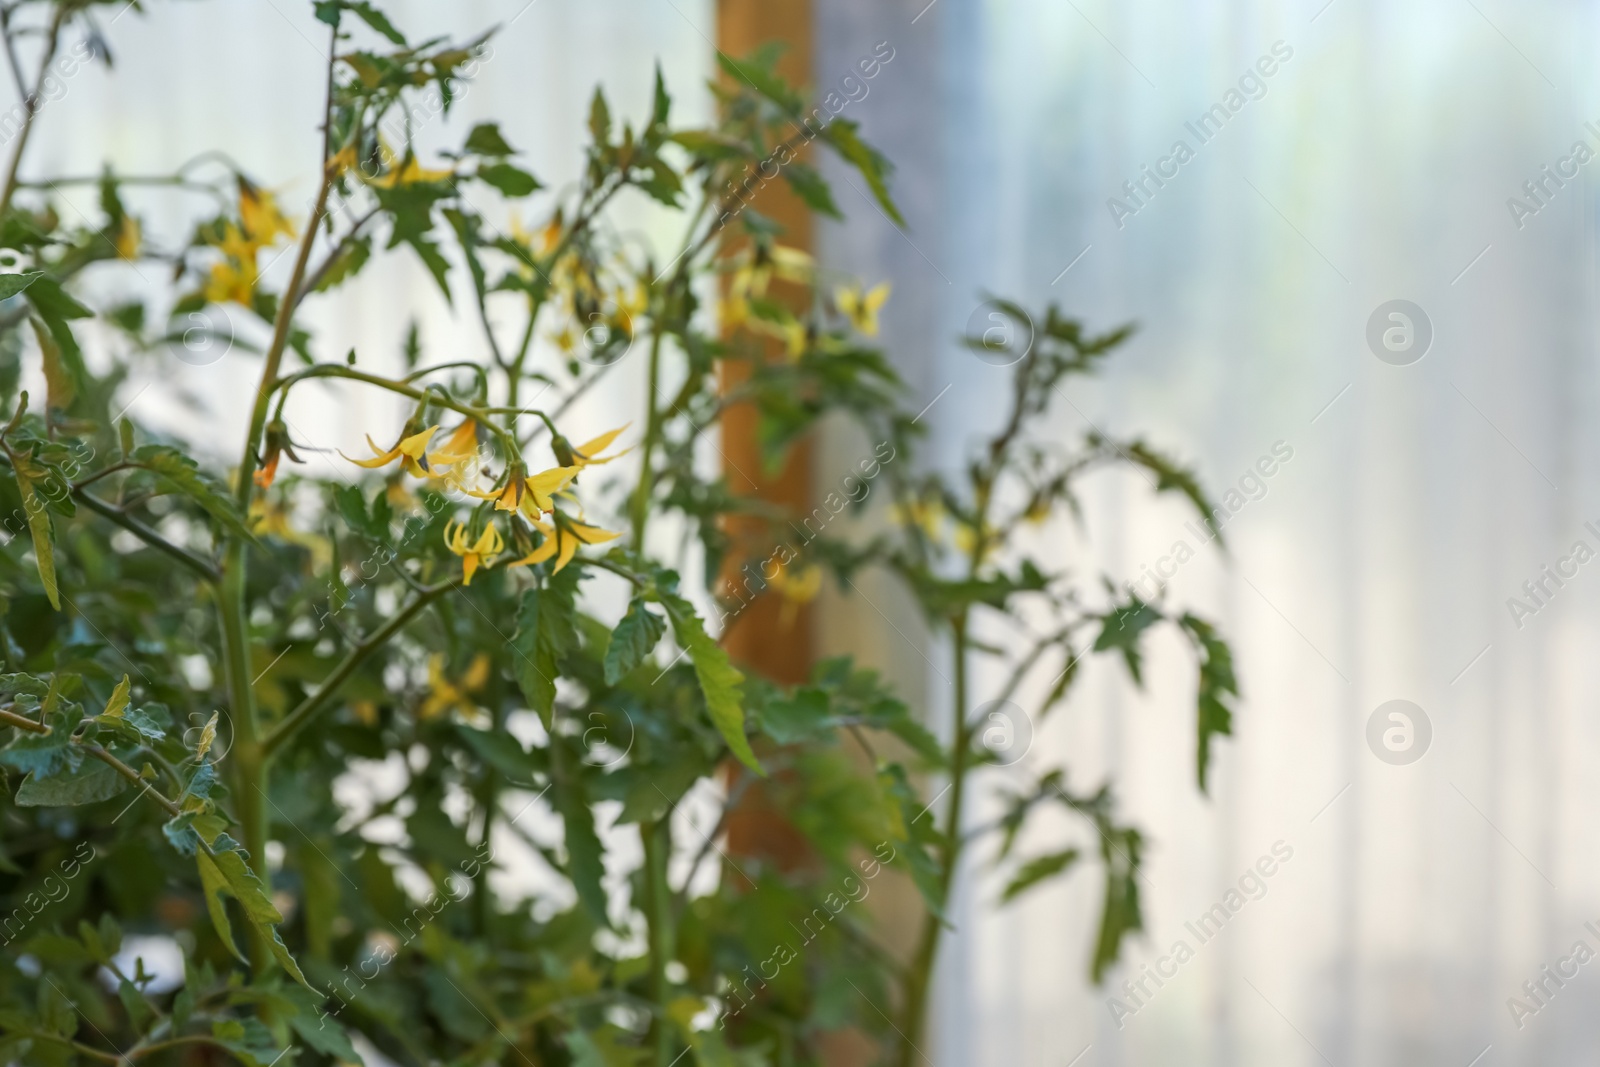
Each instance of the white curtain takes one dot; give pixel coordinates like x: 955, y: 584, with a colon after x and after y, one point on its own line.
x: 247, y: 79
x: 1375, y: 563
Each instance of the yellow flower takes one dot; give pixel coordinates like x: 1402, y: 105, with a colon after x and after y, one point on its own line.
x: 443, y: 694
x: 588, y: 453
x: 542, y: 487
x: 410, y: 173
x: 411, y: 451
x: 231, y: 280
x: 260, y: 217
x: 508, y: 497
x: 927, y: 515
x: 861, y: 308
x: 563, y: 541
x: 460, y: 447
x: 341, y: 161
x: 797, y: 589
x: 474, y: 554
x: 128, y: 240
x: 792, y: 265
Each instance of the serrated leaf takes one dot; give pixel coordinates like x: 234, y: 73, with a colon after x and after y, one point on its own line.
x: 225, y: 872
x: 12, y: 284
x: 636, y: 635
x: 719, y: 679
x: 1038, y: 870
x: 1122, y: 628
x: 38, y: 529
x: 182, y: 474
x: 88, y: 783
x: 510, y: 180
x: 119, y: 699
x: 208, y: 736
x: 59, y: 386
x: 546, y: 631
x: 486, y: 140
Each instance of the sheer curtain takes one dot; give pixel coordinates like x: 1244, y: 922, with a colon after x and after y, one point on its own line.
x: 1410, y: 499
x: 247, y: 79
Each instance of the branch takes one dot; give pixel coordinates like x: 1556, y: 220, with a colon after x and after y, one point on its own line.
x: 292, y: 723
x: 30, y: 103
x: 316, y: 276
x: 201, y: 566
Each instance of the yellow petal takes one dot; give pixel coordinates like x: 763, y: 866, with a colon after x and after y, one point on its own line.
x: 416, y: 446
x: 569, y: 548
x: 592, y: 535
x: 379, y: 460
x: 477, y: 673
x: 590, y: 449
x: 461, y: 445
x: 469, y: 565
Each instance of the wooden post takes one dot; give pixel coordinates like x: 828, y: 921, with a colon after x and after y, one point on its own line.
x: 760, y: 637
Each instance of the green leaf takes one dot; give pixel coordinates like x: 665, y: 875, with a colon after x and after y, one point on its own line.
x: 225, y: 872
x: 12, y: 284
x: 633, y: 639
x: 719, y: 679
x: 119, y: 699
x: 584, y: 853
x: 1038, y: 870
x: 1122, y: 851
x: 90, y: 783
x: 510, y: 180
x: 546, y: 631
x: 763, y: 80
x: 841, y: 134
x: 38, y: 528
x: 1217, y: 684
x: 599, y: 118
x: 1122, y: 629
x: 318, y: 1029
x: 59, y: 386
x: 348, y: 265
x: 809, y: 186
x: 486, y: 140
x: 181, y: 474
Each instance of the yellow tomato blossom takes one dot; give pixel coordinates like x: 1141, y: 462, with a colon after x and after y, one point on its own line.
x: 412, y: 452
x: 861, y: 308
x: 563, y: 541
x: 797, y: 589
x: 231, y: 280
x: 460, y: 447
x: 443, y: 694
x: 588, y: 453
x: 409, y: 173
x: 128, y: 238
x: 259, y: 216
x: 474, y: 554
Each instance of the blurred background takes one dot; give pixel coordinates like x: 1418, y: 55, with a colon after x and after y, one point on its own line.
x: 1339, y: 155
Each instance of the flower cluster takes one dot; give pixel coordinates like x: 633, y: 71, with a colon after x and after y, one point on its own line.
x: 530, y: 496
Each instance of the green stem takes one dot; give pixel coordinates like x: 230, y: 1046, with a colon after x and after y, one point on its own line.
x: 920, y: 974
x: 658, y: 902
x: 247, y: 757
x: 313, y: 703
x: 652, y: 430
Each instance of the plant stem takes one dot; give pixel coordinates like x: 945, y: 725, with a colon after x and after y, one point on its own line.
x: 657, y: 902
x: 652, y: 429
x: 203, y: 567
x: 249, y: 759
x: 31, y: 102
x: 920, y: 975
x: 313, y: 703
